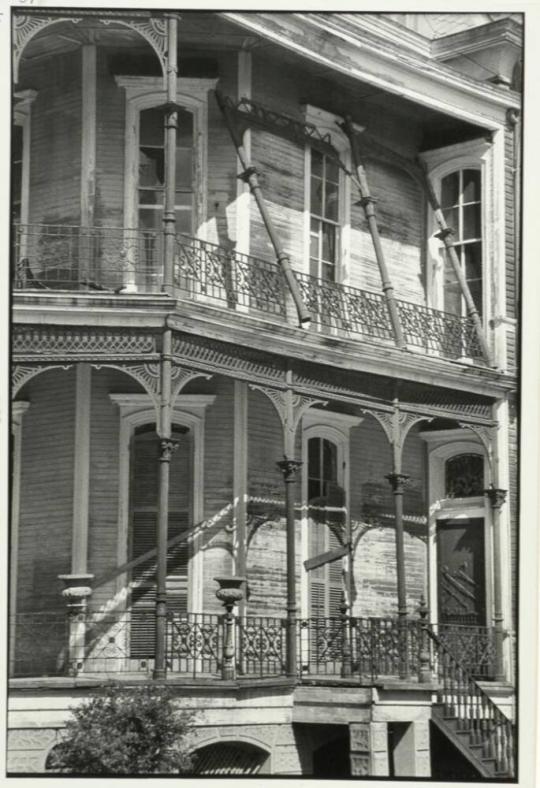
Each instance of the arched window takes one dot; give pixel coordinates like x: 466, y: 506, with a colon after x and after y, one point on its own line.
x: 461, y: 203
x: 464, y: 476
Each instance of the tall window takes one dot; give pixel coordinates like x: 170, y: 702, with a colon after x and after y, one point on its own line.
x: 324, y: 216
x: 462, y: 208
x: 151, y: 187
x: 325, y: 582
x: 143, y: 505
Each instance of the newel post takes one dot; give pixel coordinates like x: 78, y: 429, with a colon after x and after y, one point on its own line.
x: 230, y: 592
x: 289, y: 469
x: 497, y: 497
x: 77, y: 590
x: 424, y: 663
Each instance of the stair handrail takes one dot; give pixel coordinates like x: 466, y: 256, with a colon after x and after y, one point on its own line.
x: 462, y: 697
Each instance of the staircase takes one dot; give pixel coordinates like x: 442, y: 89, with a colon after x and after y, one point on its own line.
x: 470, y: 720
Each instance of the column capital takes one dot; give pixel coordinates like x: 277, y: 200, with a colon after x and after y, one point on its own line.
x: 167, y: 446
x: 397, y: 481
x: 289, y: 469
x: 497, y: 496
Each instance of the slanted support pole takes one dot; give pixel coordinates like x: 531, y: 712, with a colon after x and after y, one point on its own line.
x: 367, y: 202
x: 444, y: 234
x: 167, y: 447
x: 250, y: 177
x: 497, y: 498
x: 171, y: 127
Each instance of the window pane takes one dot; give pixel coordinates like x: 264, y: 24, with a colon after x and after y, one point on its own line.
x: 452, y: 293
x: 450, y: 190
x: 331, y: 202
x: 314, y: 245
x: 184, y: 134
x: 313, y: 457
x: 332, y: 171
x: 184, y: 221
x: 316, y: 163
x: 329, y: 461
x: 452, y: 220
x: 151, y: 127
x: 183, y: 199
x: 184, y: 168
x: 150, y: 219
x: 472, y: 221
x: 464, y: 476
x: 328, y: 242
x: 314, y: 266
x: 471, y: 185
x: 328, y: 272
x: 316, y: 196
x: 151, y: 167
x: 475, y: 286
x: 150, y: 197
x: 473, y: 260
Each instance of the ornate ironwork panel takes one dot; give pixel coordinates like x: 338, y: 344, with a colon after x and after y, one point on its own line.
x: 195, y: 643
x: 345, y: 310
x: 88, y: 259
x: 237, y: 280
x: 261, y: 646
x: 473, y: 646
x: 442, y: 333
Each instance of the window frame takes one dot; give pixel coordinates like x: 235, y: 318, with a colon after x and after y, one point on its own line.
x: 137, y: 410
x: 326, y: 123
x: 477, y: 155
x: 147, y: 92
x: 22, y: 118
x: 443, y: 445
x: 336, y: 428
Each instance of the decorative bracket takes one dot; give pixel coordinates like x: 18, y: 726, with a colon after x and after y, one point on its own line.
x: 147, y: 375
x: 25, y: 27
x: 486, y: 436
x: 154, y: 30
x: 290, y: 408
x: 396, y: 424
x: 22, y: 374
x: 181, y: 376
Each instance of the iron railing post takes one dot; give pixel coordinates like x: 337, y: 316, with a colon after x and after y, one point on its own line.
x: 497, y: 497
x: 424, y: 666
x: 289, y: 469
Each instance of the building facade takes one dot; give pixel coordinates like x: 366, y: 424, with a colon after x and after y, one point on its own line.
x: 264, y: 342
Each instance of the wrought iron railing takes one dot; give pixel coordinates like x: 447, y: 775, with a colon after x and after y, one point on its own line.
x: 114, y: 259
x: 70, y: 257
x: 473, y: 645
x: 366, y: 648
x: 51, y: 644
x: 228, y: 277
x: 465, y: 702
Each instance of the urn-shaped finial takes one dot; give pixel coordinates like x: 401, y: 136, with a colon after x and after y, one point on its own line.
x: 231, y: 590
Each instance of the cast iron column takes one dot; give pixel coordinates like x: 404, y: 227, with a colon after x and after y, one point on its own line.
x: 167, y: 447
x: 397, y: 482
x: 497, y: 497
x: 171, y: 126
x: 289, y: 469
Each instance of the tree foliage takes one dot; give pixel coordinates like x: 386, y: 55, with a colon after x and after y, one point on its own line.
x: 126, y: 730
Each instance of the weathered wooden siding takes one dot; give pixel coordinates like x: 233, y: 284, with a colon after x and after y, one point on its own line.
x: 55, y: 152
x: 372, y: 513
x: 46, y: 490
x: 400, y: 207
x: 400, y: 213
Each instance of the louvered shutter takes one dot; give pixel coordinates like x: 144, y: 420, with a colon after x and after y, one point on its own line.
x: 144, y: 537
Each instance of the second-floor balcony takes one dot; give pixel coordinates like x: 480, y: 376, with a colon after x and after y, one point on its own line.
x: 113, y: 260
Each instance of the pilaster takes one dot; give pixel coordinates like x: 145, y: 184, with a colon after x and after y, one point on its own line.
x: 369, y: 749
